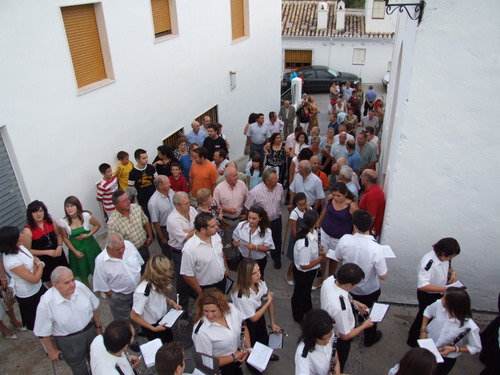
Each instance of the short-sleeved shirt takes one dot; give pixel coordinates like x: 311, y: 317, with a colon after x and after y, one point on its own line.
x: 335, y: 301
x: 373, y: 201
x: 160, y: 206
x: 105, y: 190
x: 258, y: 133
x: 242, y: 234
x: 118, y: 275
x: 368, y: 154
x: 152, y: 307
x: 22, y: 288
x: 178, y: 184
x: 131, y: 228
x: 122, y: 172
x: 58, y: 316
x: 216, y: 340
x: 186, y: 163
x: 203, y: 262
x: 177, y: 225
x: 248, y: 305
x: 303, y: 255
x: 213, y: 145
x: 371, y: 95
x: 271, y: 201
x: 338, y: 151
x: 231, y: 197
x: 197, y: 138
x: 311, y: 186
x: 435, y: 273
x: 202, y: 176
x: 354, y: 160
x: 316, y: 362
x: 104, y: 363
x: 363, y: 250
x: 142, y: 180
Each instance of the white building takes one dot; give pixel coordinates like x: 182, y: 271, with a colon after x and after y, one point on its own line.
x: 158, y: 65
x: 349, y: 40
x: 440, y: 144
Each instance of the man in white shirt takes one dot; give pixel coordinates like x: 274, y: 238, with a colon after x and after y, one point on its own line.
x: 107, y: 352
x: 67, y: 320
x: 307, y: 183
x: 362, y: 249
x: 274, y: 124
x: 117, y: 273
x: 180, y: 227
x: 203, y: 262
x: 160, y: 205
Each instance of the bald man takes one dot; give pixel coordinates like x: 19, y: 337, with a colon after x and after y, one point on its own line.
x: 197, y: 135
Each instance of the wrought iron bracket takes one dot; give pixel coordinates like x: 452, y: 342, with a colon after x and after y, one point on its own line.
x: 418, y: 8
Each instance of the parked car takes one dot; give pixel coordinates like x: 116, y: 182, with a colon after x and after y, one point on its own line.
x: 319, y: 78
x: 385, y: 79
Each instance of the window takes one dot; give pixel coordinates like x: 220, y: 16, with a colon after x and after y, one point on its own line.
x: 161, y: 17
x: 358, y: 56
x: 309, y: 73
x: 238, y: 18
x: 378, y: 11
x: 87, y: 42
x: 297, y: 58
x: 322, y: 74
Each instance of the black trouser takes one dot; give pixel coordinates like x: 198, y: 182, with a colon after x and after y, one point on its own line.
x: 258, y: 332
x: 182, y: 287
x: 233, y: 368
x: 445, y: 367
x: 343, y: 348
x: 276, y: 227
x: 27, y: 307
x: 221, y: 285
x: 367, y: 107
x: 301, y: 297
x: 424, y: 299
x: 262, y: 265
x: 369, y: 300
x: 144, y: 252
x: 164, y: 336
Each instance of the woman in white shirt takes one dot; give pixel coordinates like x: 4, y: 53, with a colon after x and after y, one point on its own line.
x: 452, y: 328
x: 25, y: 270
x: 150, y: 299
x: 220, y: 331
x: 314, y: 352
x: 254, y: 238
x: 247, y: 296
x: 308, y: 259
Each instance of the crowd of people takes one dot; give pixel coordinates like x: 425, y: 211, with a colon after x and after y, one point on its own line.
x: 203, y: 212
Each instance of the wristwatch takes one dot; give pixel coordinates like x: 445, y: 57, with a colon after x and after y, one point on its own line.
x: 235, y: 359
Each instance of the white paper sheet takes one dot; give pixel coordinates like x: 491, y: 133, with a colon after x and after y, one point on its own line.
x: 388, y: 253
x: 457, y: 284
x: 207, y: 361
x: 276, y: 340
x: 259, y: 358
x: 378, y: 312
x: 170, y: 318
x: 149, y: 350
x: 431, y: 346
x: 197, y: 372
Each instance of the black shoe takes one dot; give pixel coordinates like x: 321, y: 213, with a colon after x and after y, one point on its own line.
x: 277, y: 265
x: 135, y: 347
x: 367, y: 344
x: 274, y: 357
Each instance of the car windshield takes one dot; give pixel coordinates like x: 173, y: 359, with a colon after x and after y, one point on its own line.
x: 333, y: 72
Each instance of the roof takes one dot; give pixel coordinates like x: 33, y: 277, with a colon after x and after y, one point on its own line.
x: 299, y: 18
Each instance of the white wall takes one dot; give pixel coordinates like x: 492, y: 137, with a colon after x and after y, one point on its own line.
x: 385, y: 25
x: 59, y: 138
x: 440, y: 168
x: 337, y: 53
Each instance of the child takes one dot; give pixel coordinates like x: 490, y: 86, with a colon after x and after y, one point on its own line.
x: 123, y: 169
x: 451, y: 317
x: 177, y: 180
x: 433, y: 271
x: 254, y: 174
x: 106, y: 187
x: 296, y: 222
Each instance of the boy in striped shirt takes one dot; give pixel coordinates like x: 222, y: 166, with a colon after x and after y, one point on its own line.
x: 106, y: 187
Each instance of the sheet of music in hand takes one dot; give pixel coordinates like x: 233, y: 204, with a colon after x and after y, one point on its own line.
x: 171, y: 317
x: 378, y: 312
x: 457, y: 284
x: 388, y: 253
x: 260, y: 355
x: 431, y: 346
x: 149, y: 350
x: 276, y: 340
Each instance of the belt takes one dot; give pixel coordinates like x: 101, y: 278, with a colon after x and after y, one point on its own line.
x: 84, y: 329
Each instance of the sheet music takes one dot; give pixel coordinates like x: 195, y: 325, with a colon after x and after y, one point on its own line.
x: 149, y: 350
x: 259, y: 358
x: 378, y: 312
x: 276, y: 340
x: 388, y: 253
x: 171, y: 317
x: 207, y: 361
x: 197, y: 372
x: 431, y: 346
x: 457, y: 284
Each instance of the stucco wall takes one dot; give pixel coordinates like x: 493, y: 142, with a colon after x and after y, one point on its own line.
x: 440, y: 172
x: 337, y: 53
x: 59, y: 138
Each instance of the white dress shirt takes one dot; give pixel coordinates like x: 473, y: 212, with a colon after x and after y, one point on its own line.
x: 248, y: 305
x: 436, y: 275
x: 203, y: 262
x: 317, y: 362
x: 215, y: 340
x: 176, y: 224
x: 151, y: 308
x: 364, y: 251
x: 443, y: 329
x: 242, y: 234
x: 118, y: 275
x: 58, y: 316
x: 303, y: 255
x: 104, y: 363
x: 312, y: 187
x: 331, y: 301
x: 21, y: 287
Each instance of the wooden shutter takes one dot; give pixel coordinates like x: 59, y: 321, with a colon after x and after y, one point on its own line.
x: 237, y: 18
x: 297, y: 58
x: 84, y: 43
x: 161, y: 17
